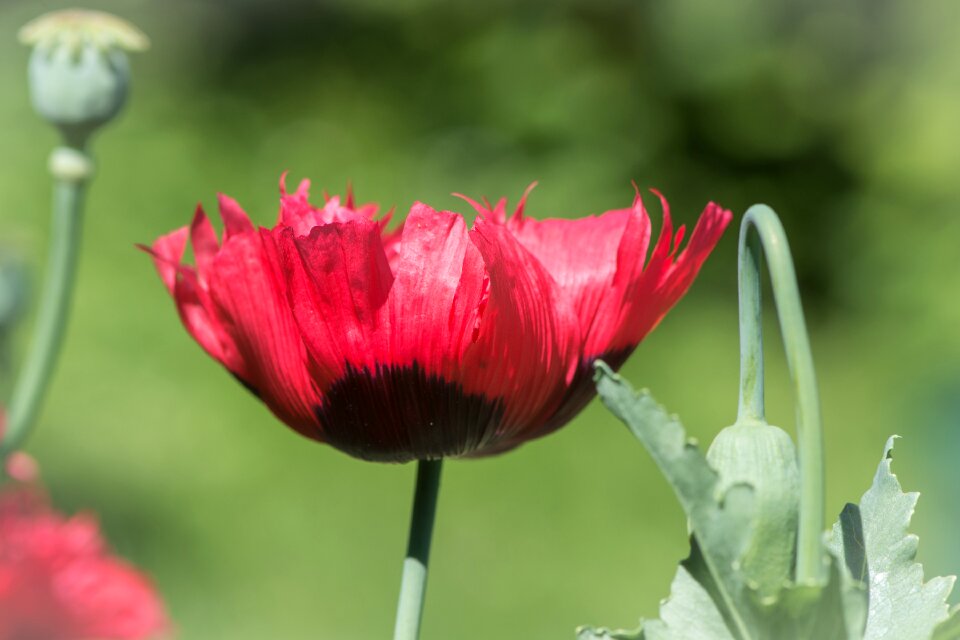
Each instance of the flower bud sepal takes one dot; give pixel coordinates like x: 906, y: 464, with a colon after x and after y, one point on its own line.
x: 763, y: 456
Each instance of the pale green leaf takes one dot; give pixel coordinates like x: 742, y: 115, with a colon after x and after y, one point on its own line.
x: 688, y: 614
x: 589, y: 633
x: 709, y: 598
x: 949, y: 629
x: 720, y: 523
x: 901, y: 605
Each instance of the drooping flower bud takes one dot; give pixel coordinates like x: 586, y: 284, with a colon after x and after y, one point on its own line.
x: 79, y: 73
x: 763, y: 456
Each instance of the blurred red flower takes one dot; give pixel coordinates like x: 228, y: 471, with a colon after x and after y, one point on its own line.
x: 58, y: 580
x: 430, y: 340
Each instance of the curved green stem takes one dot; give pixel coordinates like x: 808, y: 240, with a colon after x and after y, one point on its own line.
x: 770, y: 235
x: 72, y: 169
x: 751, y: 329
x: 413, y: 585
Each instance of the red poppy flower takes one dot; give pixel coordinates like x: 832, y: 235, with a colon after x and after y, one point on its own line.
x: 431, y: 340
x: 59, y: 582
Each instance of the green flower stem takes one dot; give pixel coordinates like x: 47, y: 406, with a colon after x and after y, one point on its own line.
x: 751, y: 407
x: 413, y: 585
x: 770, y: 235
x: 72, y: 170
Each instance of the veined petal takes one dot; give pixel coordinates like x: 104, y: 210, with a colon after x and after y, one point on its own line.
x: 582, y: 254
x: 433, y: 306
x: 167, y: 252
x: 297, y: 213
x: 204, y: 241
x: 199, y: 316
x: 338, y: 280
x: 251, y: 297
x: 643, y: 298
x: 437, y: 289
x: 528, y: 339
x: 235, y: 219
x: 601, y: 268
x: 193, y: 303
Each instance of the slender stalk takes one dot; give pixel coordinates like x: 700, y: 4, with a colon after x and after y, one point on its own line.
x: 71, y: 169
x: 800, y: 362
x: 751, y: 329
x: 413, y: 584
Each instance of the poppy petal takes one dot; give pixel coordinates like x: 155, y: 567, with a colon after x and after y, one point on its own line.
x: 581, y: 254
x: 528, y: 337
x: 437, y: 288
x: 339, y: 280
x: 192, y: 301
x: 167, y: 252
x: 643, y: 298
x: 250, y: 296
x: 203, y: 240
x: 235, y: 219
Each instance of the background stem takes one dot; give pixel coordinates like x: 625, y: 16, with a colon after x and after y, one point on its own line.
x: 800, y: 362
x: 413, y: 584
x: 36, y: 371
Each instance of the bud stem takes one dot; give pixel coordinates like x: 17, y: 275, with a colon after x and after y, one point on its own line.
x: 413, y: 584
x: 34, y: 377
x: 771, y: 237
x: 751, y: 407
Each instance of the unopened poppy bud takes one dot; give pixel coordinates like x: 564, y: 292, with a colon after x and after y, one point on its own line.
x: 764, y: 457
x: 79, y: 73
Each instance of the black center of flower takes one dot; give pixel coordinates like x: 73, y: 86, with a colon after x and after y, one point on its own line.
x: 400, y: 413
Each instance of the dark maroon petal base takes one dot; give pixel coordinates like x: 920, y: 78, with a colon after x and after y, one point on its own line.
x: 246, y: 385
x: 399, y: 414
x: 581, y: 391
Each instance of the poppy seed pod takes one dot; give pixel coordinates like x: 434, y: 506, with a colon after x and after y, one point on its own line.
x: 79, y: 73
x: 763, y: 456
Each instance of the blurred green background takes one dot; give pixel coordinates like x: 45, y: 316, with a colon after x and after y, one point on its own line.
x: 845, y: 117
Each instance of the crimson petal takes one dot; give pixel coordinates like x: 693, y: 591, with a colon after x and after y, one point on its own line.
x: 528, y: 339
x: 250, y: 295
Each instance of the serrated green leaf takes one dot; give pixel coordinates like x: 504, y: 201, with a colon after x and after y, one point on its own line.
x: 589, y: 633
x: 832, y: 611
x: 688, y: 614
x: 852, y: 550
x: 721, y: 523
x: 901, y: 605
x: 709, y: 598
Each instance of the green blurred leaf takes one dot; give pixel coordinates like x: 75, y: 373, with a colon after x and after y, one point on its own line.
x: 901, y: 605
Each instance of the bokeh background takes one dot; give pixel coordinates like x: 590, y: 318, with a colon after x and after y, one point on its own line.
x: 845, y: 117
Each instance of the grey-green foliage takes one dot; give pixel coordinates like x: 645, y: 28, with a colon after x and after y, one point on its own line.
x: 949, y: 629
x: 872, y: 587
x: 901, y: 605
x: 764, y: 457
